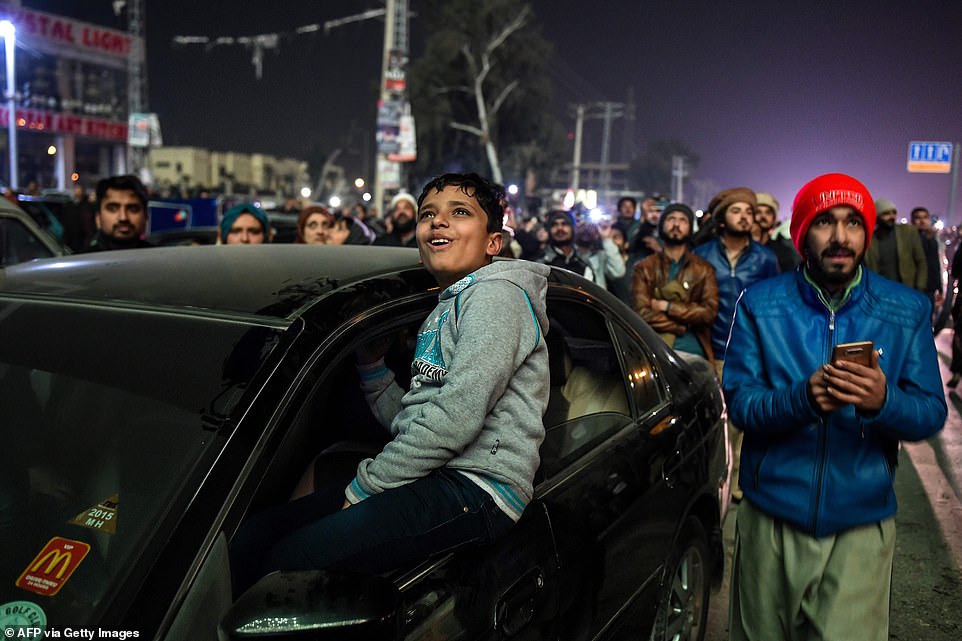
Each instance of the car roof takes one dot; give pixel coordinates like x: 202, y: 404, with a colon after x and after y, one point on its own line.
x: 272, y: 282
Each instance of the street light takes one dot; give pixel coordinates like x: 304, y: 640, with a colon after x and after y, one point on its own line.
x: 9, y: 33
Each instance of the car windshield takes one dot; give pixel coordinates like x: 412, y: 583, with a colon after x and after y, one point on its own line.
x: 109, y: 418
x: 18, y: 244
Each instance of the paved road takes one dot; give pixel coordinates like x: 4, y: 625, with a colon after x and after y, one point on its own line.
x: 927, y: 581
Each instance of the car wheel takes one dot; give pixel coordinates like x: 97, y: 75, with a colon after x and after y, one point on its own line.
x: 683, y: 603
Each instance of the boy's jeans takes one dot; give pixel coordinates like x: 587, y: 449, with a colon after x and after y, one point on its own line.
x: 401, y: 526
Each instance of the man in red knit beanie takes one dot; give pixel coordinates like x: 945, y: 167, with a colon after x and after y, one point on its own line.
x: 815, y: 534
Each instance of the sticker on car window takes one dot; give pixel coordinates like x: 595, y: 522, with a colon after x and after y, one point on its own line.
x: 20, y: 615
x: 50, y: 569
x: 102, y: 517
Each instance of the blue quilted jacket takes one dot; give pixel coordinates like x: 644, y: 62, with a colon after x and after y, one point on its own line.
x: 756, y: 263
x: 826, y: 474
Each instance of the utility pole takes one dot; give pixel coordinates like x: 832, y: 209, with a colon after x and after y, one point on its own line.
x: 956, y: 148
x: 607, y: 112
x: 605, y: 182
x: 136, y: 77
x: 576, y: 161
x: 393, y: 62
x: 678, y: 175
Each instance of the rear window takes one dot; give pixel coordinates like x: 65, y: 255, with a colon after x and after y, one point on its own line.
x: 108, y: 420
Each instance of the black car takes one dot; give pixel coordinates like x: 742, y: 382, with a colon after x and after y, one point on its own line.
x: 151, y: 400
x: 22, y: 238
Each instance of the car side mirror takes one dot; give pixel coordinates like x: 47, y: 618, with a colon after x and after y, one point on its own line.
x: 317, y: 604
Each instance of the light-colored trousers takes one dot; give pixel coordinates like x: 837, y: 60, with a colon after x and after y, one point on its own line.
x: 790, y: 586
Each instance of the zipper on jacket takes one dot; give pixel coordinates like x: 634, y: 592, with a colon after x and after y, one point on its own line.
x: 822, y: 446
x: 831, y: 332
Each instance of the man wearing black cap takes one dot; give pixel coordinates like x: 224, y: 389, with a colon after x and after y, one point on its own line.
x: 561, y: 250
x: 675, y: 291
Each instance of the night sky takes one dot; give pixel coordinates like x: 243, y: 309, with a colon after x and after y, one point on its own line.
x: 768, y: 93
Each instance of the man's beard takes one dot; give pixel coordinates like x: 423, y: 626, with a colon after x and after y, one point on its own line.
x: 563, y: 242
x: 675, y: 241
x: 129, y: 234
x: 738, y: 233
x: 404, y: 226
x: 831, y: 279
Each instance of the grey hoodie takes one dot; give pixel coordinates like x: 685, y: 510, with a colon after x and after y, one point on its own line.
x: 479, y: 388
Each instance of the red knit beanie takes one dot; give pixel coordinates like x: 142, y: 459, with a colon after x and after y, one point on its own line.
x: 823, y: 193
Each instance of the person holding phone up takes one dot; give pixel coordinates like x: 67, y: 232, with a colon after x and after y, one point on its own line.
x: 815, y: 534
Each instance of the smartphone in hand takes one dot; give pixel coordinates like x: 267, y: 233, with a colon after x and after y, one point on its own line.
x: 860, y: 352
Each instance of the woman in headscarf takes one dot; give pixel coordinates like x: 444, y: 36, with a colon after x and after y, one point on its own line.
x: 312, y: 224
x: 348, y: 231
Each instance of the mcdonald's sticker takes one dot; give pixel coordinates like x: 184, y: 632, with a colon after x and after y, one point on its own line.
x: 50, y: 569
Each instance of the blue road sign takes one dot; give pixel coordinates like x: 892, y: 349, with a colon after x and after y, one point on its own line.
x: 933, y: 157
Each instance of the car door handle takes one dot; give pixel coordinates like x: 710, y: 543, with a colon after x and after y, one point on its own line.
x: 670, y: 466
x: 516, y: 606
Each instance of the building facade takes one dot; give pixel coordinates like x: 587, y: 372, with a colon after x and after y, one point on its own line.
x: 70, y: 80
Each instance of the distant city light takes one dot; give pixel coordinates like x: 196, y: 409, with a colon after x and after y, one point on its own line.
x: 334, y: 201
x: 939, y: 224
x: 305, y: 192
x: 359, y: 183
x: 596, y: 215
x: 75, y: 176
x: 513, y: 190
x: 699, y: 213
x: 52, y: 150
x: 366, y: 196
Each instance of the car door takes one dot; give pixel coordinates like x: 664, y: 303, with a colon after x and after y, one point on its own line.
x: 476, y: 593
x: 603, y: 468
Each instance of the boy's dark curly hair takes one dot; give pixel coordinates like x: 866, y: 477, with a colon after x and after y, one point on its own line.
x: 490, y: 196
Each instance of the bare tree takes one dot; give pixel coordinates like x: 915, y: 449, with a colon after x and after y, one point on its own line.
x: 479, y: 66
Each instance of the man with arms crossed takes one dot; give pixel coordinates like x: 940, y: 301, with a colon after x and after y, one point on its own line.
x: 815, y: 533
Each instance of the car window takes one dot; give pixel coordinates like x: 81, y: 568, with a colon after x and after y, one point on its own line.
x: 588, y: 400
x: 18, y: 244
x: 642, y: 379
x: 108, y: 422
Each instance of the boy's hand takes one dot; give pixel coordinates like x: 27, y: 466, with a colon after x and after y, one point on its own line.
x: 863, y: 387
x: 374, y: 350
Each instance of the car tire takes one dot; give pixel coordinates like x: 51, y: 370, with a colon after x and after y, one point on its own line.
x: 683, y: 603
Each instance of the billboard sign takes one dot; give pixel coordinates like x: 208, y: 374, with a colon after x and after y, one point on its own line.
x: 930, y: 157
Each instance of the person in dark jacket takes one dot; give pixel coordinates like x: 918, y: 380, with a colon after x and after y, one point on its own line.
x: 766, y: 219
x: 562, y: 250
x: 674, y: 290
x: 896, y: 250
x: 739, y: 262
x: 815, y: 535
x: 401, y: 222
x: 121, y: 217
x: 928, y: 236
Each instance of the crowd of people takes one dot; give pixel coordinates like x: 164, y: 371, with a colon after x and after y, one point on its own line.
x: 764, y: 301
